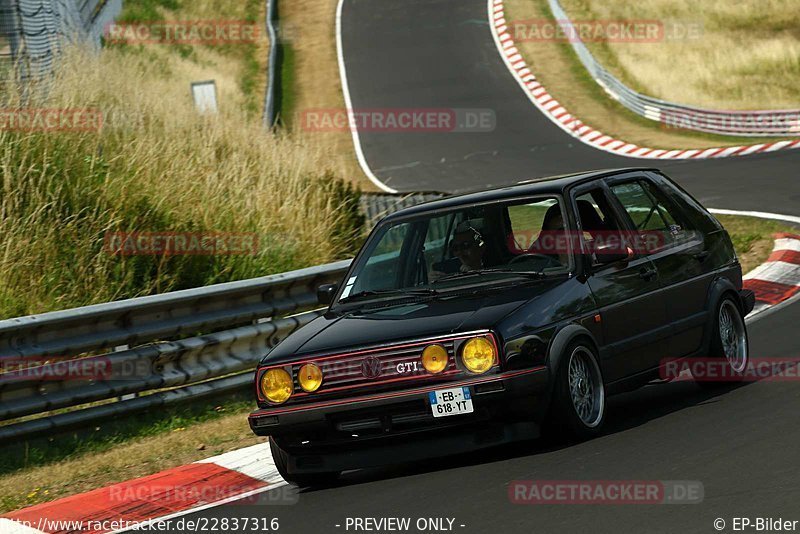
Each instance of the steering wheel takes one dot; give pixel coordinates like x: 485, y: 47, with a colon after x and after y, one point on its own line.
x: 527, y: 256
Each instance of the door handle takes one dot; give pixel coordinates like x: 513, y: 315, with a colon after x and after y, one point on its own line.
x: 647, y: 274
x: 702, y: 255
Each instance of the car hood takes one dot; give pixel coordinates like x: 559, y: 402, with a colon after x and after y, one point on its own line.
x: 335, y: 332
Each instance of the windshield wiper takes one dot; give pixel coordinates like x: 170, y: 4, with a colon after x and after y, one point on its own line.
x: 480, y: 272
x: 389, y: 293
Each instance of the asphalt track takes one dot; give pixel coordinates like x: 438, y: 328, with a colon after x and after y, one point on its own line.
x: 743, y: 444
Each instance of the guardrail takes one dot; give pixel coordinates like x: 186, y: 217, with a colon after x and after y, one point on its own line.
x: 737, y: 123
x: 142, y: 353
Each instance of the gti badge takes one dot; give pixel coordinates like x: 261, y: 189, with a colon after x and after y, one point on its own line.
x: 371, y: 367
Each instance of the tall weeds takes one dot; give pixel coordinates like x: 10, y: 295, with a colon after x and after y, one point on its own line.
x: 155, y: 165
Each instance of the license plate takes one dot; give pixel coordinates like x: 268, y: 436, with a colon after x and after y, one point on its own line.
x: 445, y: 402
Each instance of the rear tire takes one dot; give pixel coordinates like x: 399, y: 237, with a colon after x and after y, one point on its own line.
x: 281, y: 459
x: 578, y: 406
x: 729, y: 343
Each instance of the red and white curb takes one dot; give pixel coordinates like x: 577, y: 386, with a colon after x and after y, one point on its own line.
x: 160, y: 497
x: 778, y: 279
x: 553, y: 110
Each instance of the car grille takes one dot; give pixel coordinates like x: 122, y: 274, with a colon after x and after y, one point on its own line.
x: 376, y: 367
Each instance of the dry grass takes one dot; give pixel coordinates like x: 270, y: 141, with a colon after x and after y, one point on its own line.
x: 559, y: 70
x: 746, y: 56
x: 309, y: 27
x: 136, y: 458
x: 155, y: 166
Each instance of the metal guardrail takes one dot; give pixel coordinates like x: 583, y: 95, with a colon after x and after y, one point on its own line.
x: 159, y: 350
x: 375, y: 206
x: 737, y: 123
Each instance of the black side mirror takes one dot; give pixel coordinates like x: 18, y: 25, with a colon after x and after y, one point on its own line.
x: 612, y: 253
x: 325, y: 293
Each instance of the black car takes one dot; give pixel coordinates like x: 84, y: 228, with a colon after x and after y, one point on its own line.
x: 484, y: 318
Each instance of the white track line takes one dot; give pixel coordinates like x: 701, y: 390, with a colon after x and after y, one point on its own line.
x: 348, y: 104
x: 759, y: 214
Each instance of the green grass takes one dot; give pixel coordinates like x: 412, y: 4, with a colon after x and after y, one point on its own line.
x: 146, y: 10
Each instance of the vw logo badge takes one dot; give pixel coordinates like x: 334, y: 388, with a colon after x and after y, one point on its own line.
x: 371, y: 367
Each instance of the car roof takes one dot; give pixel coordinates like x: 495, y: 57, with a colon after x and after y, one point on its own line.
x: 549, y: 185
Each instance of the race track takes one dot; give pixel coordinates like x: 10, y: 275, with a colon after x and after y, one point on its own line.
x: 741, y: 443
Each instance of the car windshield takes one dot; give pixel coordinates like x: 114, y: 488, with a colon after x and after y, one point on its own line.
x: 479, y: 244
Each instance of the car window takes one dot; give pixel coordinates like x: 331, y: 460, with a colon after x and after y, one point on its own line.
x: 651, y: 213
x: 489, y: 239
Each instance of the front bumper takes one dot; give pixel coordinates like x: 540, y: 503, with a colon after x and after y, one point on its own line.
x: 376, y: 429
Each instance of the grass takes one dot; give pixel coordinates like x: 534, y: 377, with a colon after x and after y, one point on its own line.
x: 155, y: 166
x: 311, y: 80
x: 753, y: 238
x: 561, y: 72
x: 239, y: 68
x: 746, y: 55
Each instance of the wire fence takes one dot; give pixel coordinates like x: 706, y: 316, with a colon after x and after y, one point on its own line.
x: 737, y: 123
x: 33, y: 32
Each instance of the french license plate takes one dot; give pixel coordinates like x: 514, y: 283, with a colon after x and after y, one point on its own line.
x: 445, y: 402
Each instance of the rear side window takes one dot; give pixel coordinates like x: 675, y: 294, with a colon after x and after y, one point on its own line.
x: 652, y: 213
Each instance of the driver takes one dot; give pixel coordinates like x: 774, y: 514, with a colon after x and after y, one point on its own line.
x: 467, y: 248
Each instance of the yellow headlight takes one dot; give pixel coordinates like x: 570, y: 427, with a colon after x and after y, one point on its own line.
x: 434, y: 358
x: 277, y: 385
x: 310, y: 377
x: 478, y: 355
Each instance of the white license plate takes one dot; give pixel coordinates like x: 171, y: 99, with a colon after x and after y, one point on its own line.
x: 446, y: 402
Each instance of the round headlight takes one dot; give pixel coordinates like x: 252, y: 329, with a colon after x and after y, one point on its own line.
x: 310, y: 377
x: 277, y: 385
x: 478, y: 355
x: 434, y: 358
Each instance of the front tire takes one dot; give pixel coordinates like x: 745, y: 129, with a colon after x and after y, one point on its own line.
x: 281, y: 459
x: 729, y: 343
x: 578, y: 408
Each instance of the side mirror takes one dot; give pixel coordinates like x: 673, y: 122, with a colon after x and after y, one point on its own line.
x: 325, y: 293
x: 608, y: 254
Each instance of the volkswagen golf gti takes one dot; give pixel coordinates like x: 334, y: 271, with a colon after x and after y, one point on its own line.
x: 495, y: 316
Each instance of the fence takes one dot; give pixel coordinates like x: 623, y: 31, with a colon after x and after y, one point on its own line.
x: 738, y: 123
x: 32, y: 31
